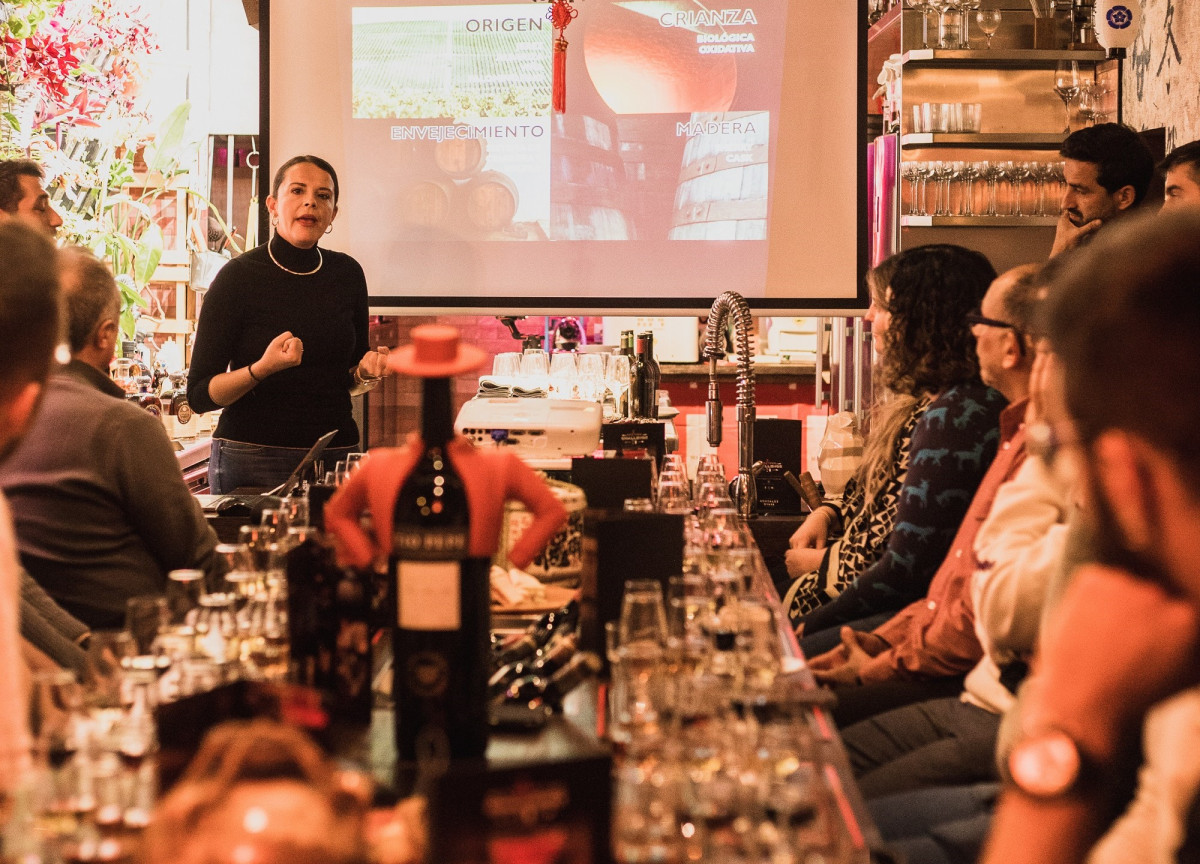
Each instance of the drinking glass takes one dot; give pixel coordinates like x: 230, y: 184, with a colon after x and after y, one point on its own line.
x: 638, y: 505
x: 643, y: 617
x: 274, y: 521
x: 924, y: 7
x: 993, y: 173
x: 564, y: 375
x: 617, y: 372
x: 911, y: 171
x: 950, y: 23
x: 59, y: 728
x: 673, y: 495
x: 989, y: 22
x: 942, y: 172
x: 535, y: 366
x: 972, y: 116
x: 642, y: 635
x: 108, y: 654
x: 183, y: 593
x: 970, y: 173
x: 295, y: 507
x: 145, y: 617
x: 507, y: 364
x: 1088, y: 102
x: 591, y: 376
x: 1066, y: 85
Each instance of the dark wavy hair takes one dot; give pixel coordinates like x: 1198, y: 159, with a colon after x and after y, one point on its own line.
x: 928, y: 345
x: 1121, y: 156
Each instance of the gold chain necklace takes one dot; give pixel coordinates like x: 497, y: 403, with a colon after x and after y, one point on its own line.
x: 320, y: 261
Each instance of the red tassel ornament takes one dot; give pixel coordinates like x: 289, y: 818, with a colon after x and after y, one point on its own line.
x: 561, y: 14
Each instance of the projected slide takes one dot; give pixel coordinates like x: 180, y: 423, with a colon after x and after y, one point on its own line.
x: 652, y: 148
x: 661, y: 180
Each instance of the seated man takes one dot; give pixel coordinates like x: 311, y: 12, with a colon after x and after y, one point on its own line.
x: 1108, y: 169
x: 28, y: 331
x: 1181, y: 176
x: 924, y: 650
x: 1125, y: 636
x: 100, y: 507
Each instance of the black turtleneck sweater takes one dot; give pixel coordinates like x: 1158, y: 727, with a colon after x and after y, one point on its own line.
x: 252, y: 301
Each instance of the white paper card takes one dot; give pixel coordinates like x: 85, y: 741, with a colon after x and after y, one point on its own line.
x: 427, y: 594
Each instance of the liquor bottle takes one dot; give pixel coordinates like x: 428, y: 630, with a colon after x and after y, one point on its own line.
x: 630, y: 400
x: 146, y: 397
x: 311, y: 595
x: 648, y: 377
x: 442, y: 595
x: 539, y: 633
x: 538, y: 690
x: 351, y: 673
x: 546, y: 661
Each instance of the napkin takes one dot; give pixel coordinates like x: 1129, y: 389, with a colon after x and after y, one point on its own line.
x: 512, y: 587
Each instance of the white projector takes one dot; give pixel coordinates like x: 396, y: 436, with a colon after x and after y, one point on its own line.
x: 537, y: 429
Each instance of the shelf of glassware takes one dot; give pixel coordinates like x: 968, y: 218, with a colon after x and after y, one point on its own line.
x: 1017, y: 58
x: 978, y: 221
x: 1005, y: 140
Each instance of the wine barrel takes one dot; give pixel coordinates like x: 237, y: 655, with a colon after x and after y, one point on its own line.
x: 427, y: 203
x: 723, y: 180
x: 460, y: 157
x: 489, y: 201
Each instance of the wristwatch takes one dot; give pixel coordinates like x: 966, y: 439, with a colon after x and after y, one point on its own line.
x: 1045, y: 764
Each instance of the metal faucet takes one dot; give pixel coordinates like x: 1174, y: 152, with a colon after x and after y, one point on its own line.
x: 731, y: 303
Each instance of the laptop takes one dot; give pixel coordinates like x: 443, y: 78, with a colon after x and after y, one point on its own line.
x: 236, y: 504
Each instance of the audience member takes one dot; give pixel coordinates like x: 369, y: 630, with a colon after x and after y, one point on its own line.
x: 102, y: 514
x: 1108, y: 169
x: 1126, y: 634
x: 1181, y: 176
x: 22, y: 196
x: 953, y: 740
x: 874, y: 551
x: 924, y: 650
x: 29, y: 330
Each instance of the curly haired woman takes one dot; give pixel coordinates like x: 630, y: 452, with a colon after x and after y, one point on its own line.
x: 932, y: 438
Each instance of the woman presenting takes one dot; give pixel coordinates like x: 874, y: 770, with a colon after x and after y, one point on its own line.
x: 281, y: 343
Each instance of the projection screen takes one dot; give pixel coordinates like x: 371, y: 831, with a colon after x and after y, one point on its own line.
x: 705, y: 147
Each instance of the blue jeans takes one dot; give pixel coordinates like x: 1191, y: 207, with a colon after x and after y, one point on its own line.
x: 234, y: 465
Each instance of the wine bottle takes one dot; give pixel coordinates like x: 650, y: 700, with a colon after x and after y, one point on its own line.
x: 648, y: 377
x: 546, y: 661
x: 539, y: 633
x: 442, y: 603
x: 539, y: 690
x: 351, y: 672
x: 312, y: 600
x: 629, y: 397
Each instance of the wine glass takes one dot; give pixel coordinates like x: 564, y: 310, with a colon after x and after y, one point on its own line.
x: 924, y: 7
x: 1088, y: 102
x: 1066, y: 85
x: 989, y: 22
x: 911, y: 171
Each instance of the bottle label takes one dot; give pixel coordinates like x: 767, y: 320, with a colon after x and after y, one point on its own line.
x: 427, y: 595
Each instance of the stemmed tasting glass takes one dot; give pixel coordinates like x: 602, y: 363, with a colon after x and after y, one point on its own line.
x: 1088, y: 102
x: 60, y: 732
x: 943, y: 171
x: 970, y: 173
x: 1042, y: 173
x: 616, y: 384
x: 993, y: 173
x: 969, y: 8
x: 911, y: 171
x: 989, y: 22
x: 1018, y: 173
x: 924, y: 7
x: 1066, y: 85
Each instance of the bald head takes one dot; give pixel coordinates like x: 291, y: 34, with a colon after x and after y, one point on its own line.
x: 93, y: 306
x: 1002, y: 340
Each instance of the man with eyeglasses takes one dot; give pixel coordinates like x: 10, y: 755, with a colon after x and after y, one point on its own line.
x: 923, y: 651
x: 1119, y: 655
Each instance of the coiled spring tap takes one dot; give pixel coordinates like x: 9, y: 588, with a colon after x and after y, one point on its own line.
x: 732, y: 303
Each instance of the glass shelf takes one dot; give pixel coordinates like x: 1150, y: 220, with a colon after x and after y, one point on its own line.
x: 1029, y: 58
x: 978, y: 221
x: 1007, y: 140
